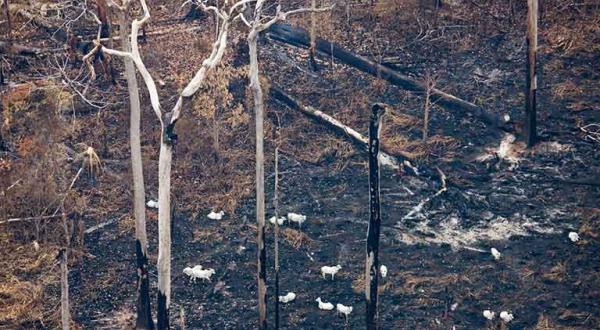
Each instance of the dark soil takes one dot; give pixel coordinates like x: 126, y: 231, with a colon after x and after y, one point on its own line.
x: 441, y: 274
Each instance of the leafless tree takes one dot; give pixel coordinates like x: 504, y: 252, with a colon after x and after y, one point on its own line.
x: 168, y: 136
x: 257, y: 24
x: 429, y: 87
x: 144, y: 313
x: 373, y: 232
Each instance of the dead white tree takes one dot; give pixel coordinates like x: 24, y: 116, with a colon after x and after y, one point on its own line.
x: 313, y: 36
x: 168, y: 136
x: 144, y: 312
x: 65, y: 314
x: 257, y: 23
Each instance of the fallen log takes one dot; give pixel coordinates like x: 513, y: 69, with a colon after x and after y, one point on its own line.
x: 7, y: 48
x: 298, y: 37
x: 386, y: 159
x: 60, y: 34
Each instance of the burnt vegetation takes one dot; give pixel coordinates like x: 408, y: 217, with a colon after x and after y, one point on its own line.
x: 114, y: 148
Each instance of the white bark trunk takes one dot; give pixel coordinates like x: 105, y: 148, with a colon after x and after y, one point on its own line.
x: 64, y: 291
x: 257, y: 94
x: 164, y: 221
x: 144, y: 317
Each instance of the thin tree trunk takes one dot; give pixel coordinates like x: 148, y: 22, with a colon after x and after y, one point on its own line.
x: 276, y: 207
x: 257, y: 94
x: 164, y: 229
x: 373, y: 232
x: 428, y: 81
x: 65, y: 315
x: 8, y: 35
x: 530, y: 107
x: 8, y: 21
x: 144, y: 312
x: 313, y: 37
x: 168, y: 138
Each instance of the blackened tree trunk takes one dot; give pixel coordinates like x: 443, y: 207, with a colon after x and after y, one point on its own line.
x: 373, y: 232
x: 530, y: 107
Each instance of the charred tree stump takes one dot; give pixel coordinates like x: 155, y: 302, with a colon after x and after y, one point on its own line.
x: 299, y: 37
x: 144, y: 313
x: 530, y: 106
x: 374, y: 229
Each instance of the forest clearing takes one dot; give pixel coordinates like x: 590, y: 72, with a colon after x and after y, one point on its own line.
x: 300, y: 164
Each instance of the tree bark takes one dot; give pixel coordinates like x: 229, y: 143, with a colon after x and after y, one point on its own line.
x: 298, y: 37
x: 164, y: 229
x: 530, y: 106
x: 257, y: 95
x: 374, y: 229
x: 313, y: 37
x: 64, y: 290
x: 276, y: 207
x: 9, y: 36
x: 144, y: 312
x: 8, y: 21
x: 168, y: 139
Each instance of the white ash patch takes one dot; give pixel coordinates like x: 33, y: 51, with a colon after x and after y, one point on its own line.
x: 451, y: 231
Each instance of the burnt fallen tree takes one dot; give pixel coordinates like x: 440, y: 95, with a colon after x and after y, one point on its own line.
x: 300, y: 38
x: 386, y: 159
x: 8, y: 48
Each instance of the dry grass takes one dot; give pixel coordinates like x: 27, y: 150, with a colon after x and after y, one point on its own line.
x: 558, y: 273
x: 437, y: 146
x: 24, y: 276
x: 205, y: 235
x: 429, y: 283
x: 545, y: 323
x: 296, y: 238
x: 358, y: 285
x: 567, y: 89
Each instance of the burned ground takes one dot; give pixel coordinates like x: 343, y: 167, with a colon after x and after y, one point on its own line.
x: 441, y: 273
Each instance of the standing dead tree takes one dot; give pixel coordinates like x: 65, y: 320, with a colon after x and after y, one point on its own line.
x: 257, y: 23
x: 8, y: 34
x: 430, y: 86
x: 168, y: 137
x: 530, y: 107
x: 313, y: 37
x: 374, y: 229
x: 144, y: 312
x: 276, y: 207
x: 65, y: 315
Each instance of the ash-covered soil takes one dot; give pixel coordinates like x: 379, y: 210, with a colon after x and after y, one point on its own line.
x: 441, y: 273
